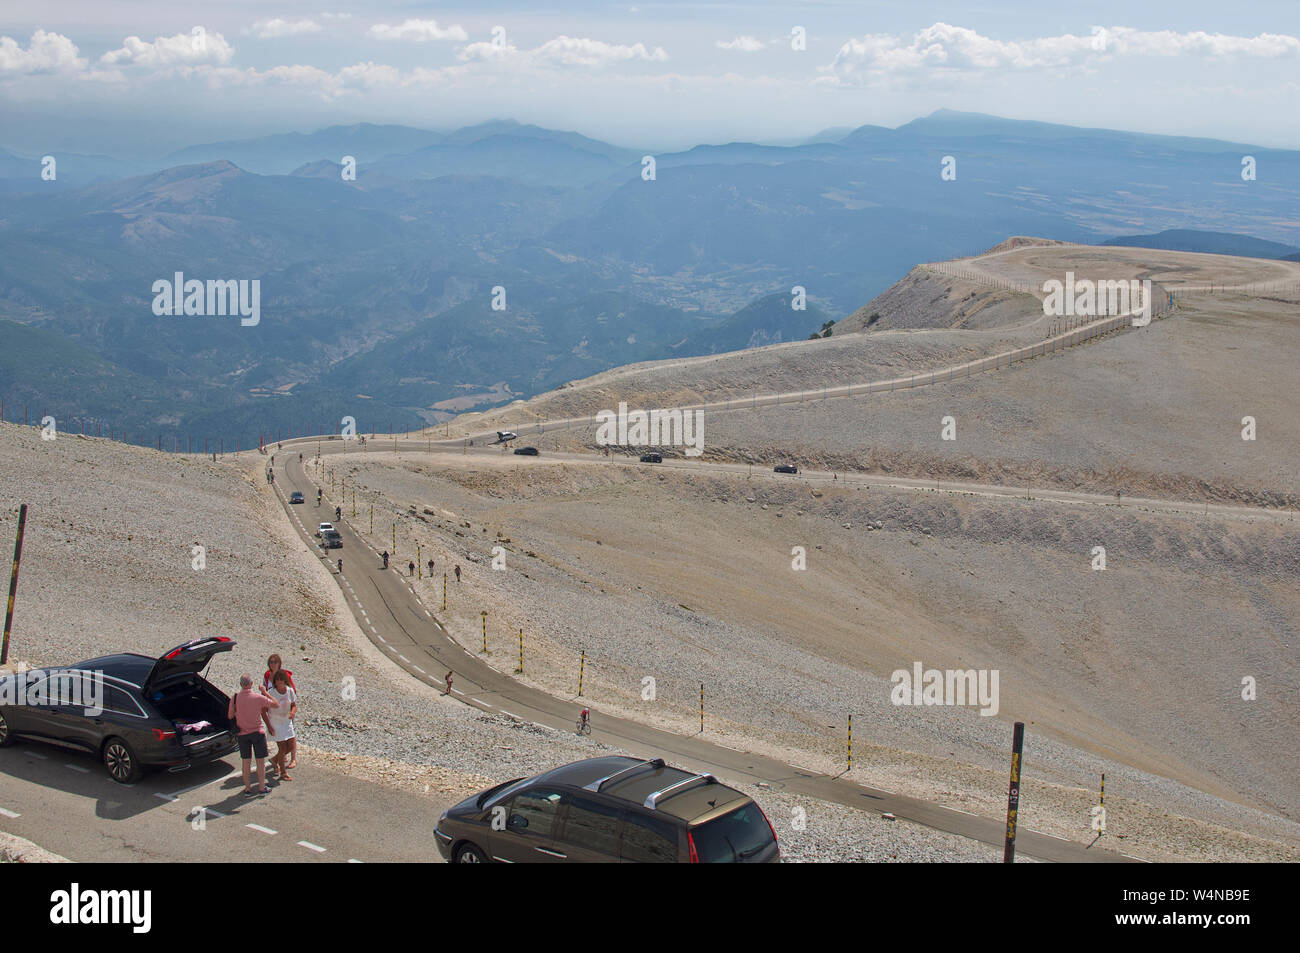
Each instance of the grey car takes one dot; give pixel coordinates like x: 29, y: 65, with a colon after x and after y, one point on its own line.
x: 609, y: 810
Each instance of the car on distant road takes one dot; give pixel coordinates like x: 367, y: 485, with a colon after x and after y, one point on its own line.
x: 324, y: 528
x: 526, y: 451
x: 331, y: 539
x: 132, y: 711
x: 296, y: 497
x: 652, y: 458
x: 613, y: 809
x: 785, y: 468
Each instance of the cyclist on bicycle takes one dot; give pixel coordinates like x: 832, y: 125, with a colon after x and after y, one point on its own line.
x: 584, y: 720
x: 340, y: 567
x: 338, y: 512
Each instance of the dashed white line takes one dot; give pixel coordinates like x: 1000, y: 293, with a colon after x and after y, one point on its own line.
x: 259, y: 828
x: 418, y: 669
x: 403, y: 658
x: 310, y: 846
x: 8, y: 813
x: 481, y: 702
x: 77, y: 767
x: 511, y: 714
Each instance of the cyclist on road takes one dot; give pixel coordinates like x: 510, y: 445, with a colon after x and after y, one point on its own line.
x: 385, y: 555
x: 338, y: 512
x: 318, y: 497
x: 584, y: 720
x: 340, y: 567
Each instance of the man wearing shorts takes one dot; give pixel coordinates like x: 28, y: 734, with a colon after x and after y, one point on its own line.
x: 249, y: 709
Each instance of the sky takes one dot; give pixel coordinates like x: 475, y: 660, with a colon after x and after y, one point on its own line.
x: 140, y: 77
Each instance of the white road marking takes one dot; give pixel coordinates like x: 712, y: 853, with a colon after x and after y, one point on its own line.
x: 481, y: 702
x: 195, y: 787
x: 260, y: 829
x: 77, y: 767
x: 381, y: 638
x: 511, y: 714
x: 8, y: 813
x: 428, y: 613
x: 403, y: 658
x: 43, y: 757
x: 418, y: 669
x: 352, y: 860
x: 310, y: 846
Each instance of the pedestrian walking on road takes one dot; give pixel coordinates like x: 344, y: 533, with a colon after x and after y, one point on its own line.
x: 281, y: 723
x: 385, y: 555
x: 248, y: 709
x: 458, y: 572
x: 430, y: 568
x: 410, y: 567
x: 340, y: 567
x: 448, y: 677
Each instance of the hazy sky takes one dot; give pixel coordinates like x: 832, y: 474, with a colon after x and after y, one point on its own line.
x: 143, y: 76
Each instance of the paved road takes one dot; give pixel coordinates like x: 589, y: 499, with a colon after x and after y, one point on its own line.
x: 397, y: 620
x: 66, y: 803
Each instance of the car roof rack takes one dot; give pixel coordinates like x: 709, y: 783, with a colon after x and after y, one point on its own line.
x: 678, y: 788
x: 599, y: 783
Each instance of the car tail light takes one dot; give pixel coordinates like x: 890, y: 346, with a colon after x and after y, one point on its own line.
x: 690, y: 842
x: 769, y: 823
x: 160, y: 735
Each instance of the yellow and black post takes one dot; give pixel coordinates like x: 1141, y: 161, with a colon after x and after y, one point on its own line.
x: 13, y: 582
x: 520, y: 670
x: 372, y: 519
x: 419, y: 566
x: 850, y: 743
x: 582, y: 665
x: 1013, y: 793
x: 484, y: 614
x: 394, y: 540
x: 701, y: 708
x: 444, y: 592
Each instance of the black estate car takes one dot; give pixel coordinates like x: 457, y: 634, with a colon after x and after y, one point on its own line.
x: 296, y: 497
x: 785, y: 468
x: 526, y: 451
x: 613, y: 809
x: 153, y: 712
x: 652, y: 458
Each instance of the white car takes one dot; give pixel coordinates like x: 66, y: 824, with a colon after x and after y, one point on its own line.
x: 324, y: 528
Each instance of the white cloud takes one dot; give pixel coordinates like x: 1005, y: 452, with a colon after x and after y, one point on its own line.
x: 336, y: 16
x: 563, y: 51
x: 743, y: 44
x: 268, y: 29
x: 183, y: 49
x: 942, y: 46
x: 419, y: 31
x: 46, y: 53
x: 580, y: 51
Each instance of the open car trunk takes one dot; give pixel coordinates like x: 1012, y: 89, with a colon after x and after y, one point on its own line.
x: 189, y: 701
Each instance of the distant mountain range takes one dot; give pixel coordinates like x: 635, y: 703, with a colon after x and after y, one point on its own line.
x: 377, y: 292
x: 1215, y: 243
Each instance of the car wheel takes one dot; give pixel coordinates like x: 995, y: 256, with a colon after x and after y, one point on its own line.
x: 6, y: 736
x: 470, y: 854
x: 120, y: 761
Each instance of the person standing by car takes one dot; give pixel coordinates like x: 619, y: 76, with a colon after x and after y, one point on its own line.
x: 281, y: 722
x: 248, y: 708
x: 275, y: 664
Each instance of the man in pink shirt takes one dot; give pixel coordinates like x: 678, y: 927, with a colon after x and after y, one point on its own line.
x: 248, y: 708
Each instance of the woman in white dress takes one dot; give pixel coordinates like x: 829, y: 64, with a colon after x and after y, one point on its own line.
x: 282, y: 724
